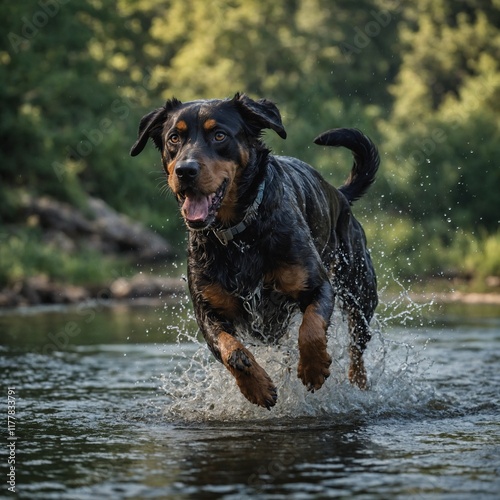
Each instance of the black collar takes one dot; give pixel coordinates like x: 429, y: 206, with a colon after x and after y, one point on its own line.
x: 227, y: 235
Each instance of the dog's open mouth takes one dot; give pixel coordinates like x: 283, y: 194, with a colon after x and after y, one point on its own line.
x: 199, y: 210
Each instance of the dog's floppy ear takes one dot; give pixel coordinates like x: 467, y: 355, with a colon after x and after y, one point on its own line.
x: 263, y: 113
x: 151, y: 126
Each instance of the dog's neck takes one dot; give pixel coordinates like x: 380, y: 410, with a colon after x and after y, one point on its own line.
x: 251, y: 190
x: 254, y: 173
x: 227, y: 235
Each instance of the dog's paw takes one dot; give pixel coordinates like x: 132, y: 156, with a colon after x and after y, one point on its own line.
x: 314, y: 369
x: 258, y: 388
x: 253, y: 381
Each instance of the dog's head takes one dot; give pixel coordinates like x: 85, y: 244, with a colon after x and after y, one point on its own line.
x: 205, y: 148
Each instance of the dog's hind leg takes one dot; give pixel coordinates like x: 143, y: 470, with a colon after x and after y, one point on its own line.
x: 357, y: 284
x: 360, y: 312
x: 360, y: 336
x: 253, y: 381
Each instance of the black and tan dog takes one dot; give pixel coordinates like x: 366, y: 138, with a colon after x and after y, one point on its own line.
x: 267, y: 234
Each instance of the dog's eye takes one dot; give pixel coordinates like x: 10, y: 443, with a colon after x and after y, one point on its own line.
x: 174, y: 139
x: 219, y: 136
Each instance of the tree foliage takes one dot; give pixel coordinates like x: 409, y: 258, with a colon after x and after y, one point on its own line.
x: 444, y: 128
x: 421, y: 77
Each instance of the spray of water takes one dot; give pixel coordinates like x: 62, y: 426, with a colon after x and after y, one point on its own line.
x: 198, y: 388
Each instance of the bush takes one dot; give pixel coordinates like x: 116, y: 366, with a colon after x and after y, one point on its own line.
x: 24, y: 254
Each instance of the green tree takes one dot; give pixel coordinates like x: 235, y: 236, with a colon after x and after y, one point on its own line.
x: 444, y: 130
x: 73, y: 95
x: 421, y: 77
x: 311, y: 56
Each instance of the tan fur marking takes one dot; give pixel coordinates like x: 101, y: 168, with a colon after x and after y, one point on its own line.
x: 244, y: 155
x: 221, y: 300
x: 314, y: 360
x: 171, y: 168
x: 253, y: 381
x: 290, y: 280
x: 210, y: 124
x: 181, y: 125
x: 212, y: 175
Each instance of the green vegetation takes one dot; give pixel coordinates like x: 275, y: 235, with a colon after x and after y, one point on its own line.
x: 422, y: 78
x: 24, y: 254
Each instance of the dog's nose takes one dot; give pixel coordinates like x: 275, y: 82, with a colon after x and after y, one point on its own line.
x: 187, y: 170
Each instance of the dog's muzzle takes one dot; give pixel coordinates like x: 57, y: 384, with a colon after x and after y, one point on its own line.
x: 198, y: 209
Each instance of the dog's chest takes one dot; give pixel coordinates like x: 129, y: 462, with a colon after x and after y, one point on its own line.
x: 240, y: 271
x: 238, y: 267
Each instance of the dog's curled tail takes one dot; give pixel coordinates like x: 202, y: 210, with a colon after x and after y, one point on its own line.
x: 366, y: 159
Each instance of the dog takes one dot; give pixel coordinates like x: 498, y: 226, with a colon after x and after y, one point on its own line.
x: 267, y: 236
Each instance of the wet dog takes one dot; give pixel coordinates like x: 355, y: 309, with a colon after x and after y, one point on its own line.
x: 267, y: 235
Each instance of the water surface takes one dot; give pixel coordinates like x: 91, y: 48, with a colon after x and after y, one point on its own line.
x: 126, y: 402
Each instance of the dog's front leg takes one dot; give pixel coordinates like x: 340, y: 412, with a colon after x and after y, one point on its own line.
x: 215, y: 310
x: 314, y: 362
x: 253, y: 381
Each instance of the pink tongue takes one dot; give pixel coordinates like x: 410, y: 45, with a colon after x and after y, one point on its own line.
x: 195, y: 208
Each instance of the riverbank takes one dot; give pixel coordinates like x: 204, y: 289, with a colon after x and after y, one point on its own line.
x: 40, y: 291
x: 146, y: 288
x: 459, y: 297
x: 63, y: 255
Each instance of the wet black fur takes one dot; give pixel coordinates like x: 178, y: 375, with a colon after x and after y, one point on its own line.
x: 302, y: 220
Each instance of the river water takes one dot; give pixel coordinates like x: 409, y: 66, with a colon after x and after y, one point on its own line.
x: 125, y: 402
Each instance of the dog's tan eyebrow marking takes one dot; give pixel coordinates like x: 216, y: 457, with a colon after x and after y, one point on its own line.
x: 181, y: 125
x: 210, y: 124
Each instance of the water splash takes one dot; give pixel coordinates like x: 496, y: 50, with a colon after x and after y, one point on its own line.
x: 200, y: 389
